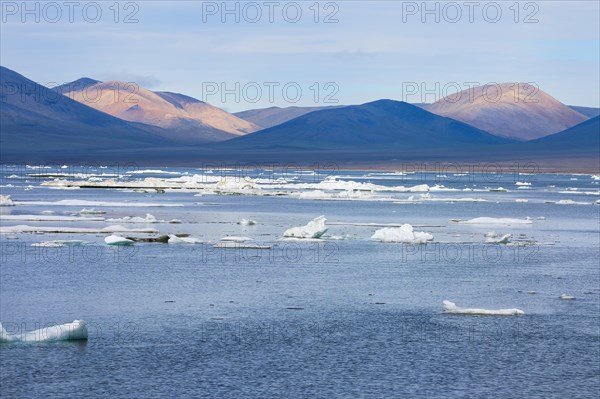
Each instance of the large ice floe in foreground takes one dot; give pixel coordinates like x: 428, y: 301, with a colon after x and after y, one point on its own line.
x: 76, y: 330
x: 314, y: 229
x: 450, y: 307
x: 403, y: 234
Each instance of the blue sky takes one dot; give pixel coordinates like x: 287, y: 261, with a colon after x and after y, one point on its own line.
x: 374, y: 50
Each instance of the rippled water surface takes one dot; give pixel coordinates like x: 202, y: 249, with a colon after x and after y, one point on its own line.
x: 343, y: 316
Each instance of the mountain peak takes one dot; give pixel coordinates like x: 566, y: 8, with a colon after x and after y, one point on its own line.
x: 517, y: 110
x: 79, y: 84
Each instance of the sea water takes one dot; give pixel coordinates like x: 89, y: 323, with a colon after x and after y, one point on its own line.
x: 342, y: 316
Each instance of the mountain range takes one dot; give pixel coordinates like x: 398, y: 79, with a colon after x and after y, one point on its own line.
x: 91, y: 120
x: 519, y: 111
x: 382, y: 124
x: 184, y: 119
x: 34, y: 119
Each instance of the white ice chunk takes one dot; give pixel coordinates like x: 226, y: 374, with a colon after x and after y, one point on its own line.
x: 230, y: 185
x: 495, y: 239
x: 314, y: 229
x: 566, y: 297
x: 117, y: 240
x: 173, y: 239
x: 76, y: 330
x: 450, y: 307
x: 404, y: 234
x: 236, y: 239
x: 247, y: 222
x: 5, y: 200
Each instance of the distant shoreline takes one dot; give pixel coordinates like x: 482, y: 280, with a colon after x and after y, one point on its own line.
x: 583, y: 167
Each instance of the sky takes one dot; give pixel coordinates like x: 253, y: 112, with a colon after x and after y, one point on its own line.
x: 244, y: 55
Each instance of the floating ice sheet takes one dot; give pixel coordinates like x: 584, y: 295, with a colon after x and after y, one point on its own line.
x: 402, y: 234
x: 76, y: 330
x: 314, y: 229
x: 450, y: 307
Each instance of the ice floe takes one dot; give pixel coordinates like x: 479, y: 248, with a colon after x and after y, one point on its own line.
x: 566, y: 297
x: 50, y: 218
x: 117, y: 240
x: 236, y: 239
x: 429, y: 198
x: 173, y: 239
x: 403, y: 234
x: 151, y: 171
x: 136, y: 219
x: 450, y: 307
x: 58, y: 243
x: 522, y: 183
x: 76, y: 330
x: 571, y: 192
x: 246, y: 222
x: 236, y: 186
x: 79, y: 230
x: 74, y: 202
x: 314, y: 229
x: 241, y: 245
x: 490, y: 220
x: 570, y: 202
x: 90, y: 211
x: 5, y: 200
x: 493, y: 238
